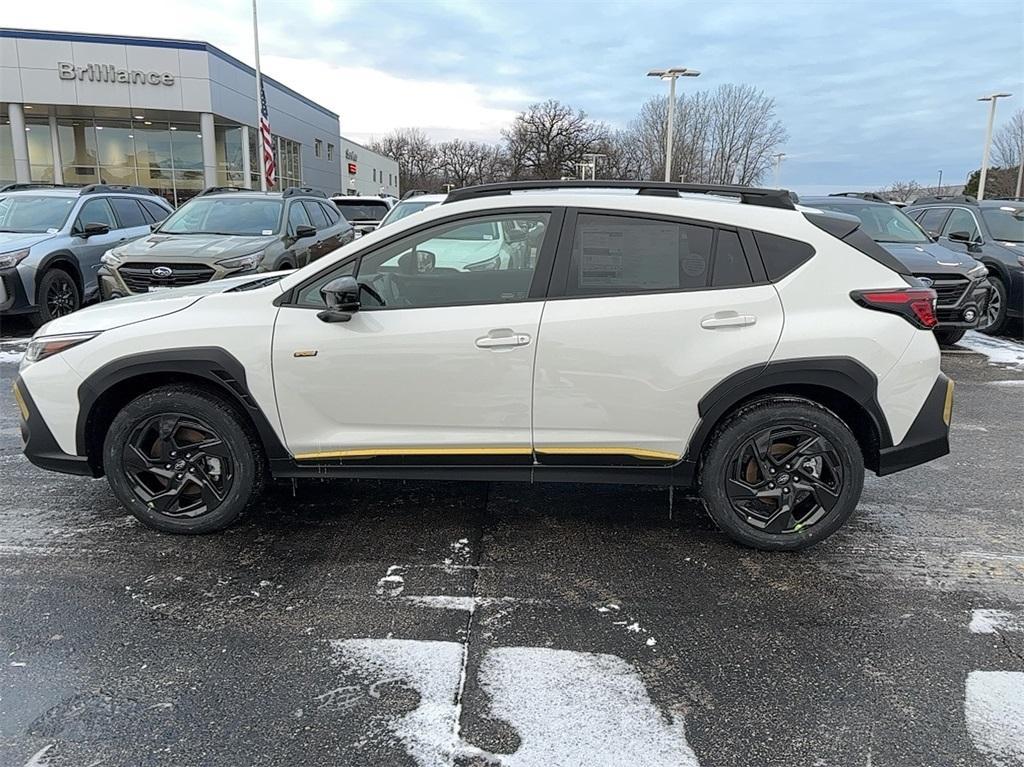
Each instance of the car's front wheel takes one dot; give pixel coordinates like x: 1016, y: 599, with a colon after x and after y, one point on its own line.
x: 781, y: 474
x: 56, y: 295
x: 183, y: 460
x: 949, y: 336
x: 995, y: 320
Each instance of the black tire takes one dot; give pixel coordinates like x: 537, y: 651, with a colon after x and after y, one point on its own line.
x: 57, y: 294
x: 839, y: 467
x: 995, y: 320
x: 949, y: 336
x: 201, y: 479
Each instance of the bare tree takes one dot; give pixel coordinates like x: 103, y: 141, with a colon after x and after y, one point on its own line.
x: 902, y: 191
x: 415, y: 154
x: 545, y: 140
x: 1008, y: 142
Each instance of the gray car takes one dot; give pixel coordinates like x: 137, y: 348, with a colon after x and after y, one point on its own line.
x: 52, y: 239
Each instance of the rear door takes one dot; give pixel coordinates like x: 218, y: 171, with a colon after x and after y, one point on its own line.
x: 645, y: 315
x: 89, y: 250
x: 317, y: 215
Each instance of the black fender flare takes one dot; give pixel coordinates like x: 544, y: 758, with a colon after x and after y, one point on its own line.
x: 211, y: 363
x: 60, y: 258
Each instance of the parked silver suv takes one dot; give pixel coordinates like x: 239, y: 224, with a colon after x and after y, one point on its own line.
x: 52, y: 238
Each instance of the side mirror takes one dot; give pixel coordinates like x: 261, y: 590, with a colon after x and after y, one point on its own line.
x: 303, y: 231
x: 963, y: 237
x: 93, y: 229
x: 155, y: 225
x: 341, y: 295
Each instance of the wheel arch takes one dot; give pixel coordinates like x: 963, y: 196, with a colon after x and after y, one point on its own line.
x: 115, y: 384
x: 841, y: 384
x: 63, y: 259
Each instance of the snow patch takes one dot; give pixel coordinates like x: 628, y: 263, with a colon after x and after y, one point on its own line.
x: 998, y: 350
x: 39, y: 759
x: 994, y: 710
x: 573, y: 708
x: 441, y: 602
x: 984, y: 621
x: 392, y: 584
x: 11, y: 357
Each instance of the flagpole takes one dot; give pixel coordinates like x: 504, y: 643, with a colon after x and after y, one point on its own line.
x: 259, y: 94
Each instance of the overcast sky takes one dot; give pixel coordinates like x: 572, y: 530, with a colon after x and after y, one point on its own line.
x: 870, y: 91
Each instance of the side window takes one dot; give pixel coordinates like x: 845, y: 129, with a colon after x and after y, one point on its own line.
x: 95, y: 212
x: 485, y: 260
x: 316, y: 214
x: 156, y: 212
x: 128, y: 212
x: 961, y: 220
x: 932, y: 220
x: 331, y: 212
x: 619, y: 255
x: 731, y: 268
x: 781, y: 255
x: 297, y: 217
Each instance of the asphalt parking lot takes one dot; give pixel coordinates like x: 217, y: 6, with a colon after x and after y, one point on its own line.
x: 403, y: 623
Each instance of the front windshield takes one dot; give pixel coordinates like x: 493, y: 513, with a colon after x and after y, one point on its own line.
x: 237, y: 216
x: 1005, y: 222
x: 881, y: 222
x: 472, y: 232
x: 34, y: 213
x: 403, y: 209
x: 362, y: 210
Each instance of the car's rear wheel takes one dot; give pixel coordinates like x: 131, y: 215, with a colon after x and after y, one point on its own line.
x: 949, y: 336
x: 183, y: 460
x: 57, y: 294
x: 781, y: 474
x: 994, y: 321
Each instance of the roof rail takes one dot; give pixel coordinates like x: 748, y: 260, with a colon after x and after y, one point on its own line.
x: 769, y: 198
x: 219, y: 189
x: 872, y: 196
x: 946, y: 198
x: 305, y: 191
x: 37, y: 185
x: 414, y: 193
x: 102, y: 188
x: 1008, y: 199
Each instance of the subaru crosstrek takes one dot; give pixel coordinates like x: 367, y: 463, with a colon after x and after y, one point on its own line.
x: 52, y: 239
x: 662, y: 334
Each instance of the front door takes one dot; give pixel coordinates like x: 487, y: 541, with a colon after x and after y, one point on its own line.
x: 438, y: 362
x: 89, y: 250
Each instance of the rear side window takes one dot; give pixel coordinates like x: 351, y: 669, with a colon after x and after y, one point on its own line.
x: 128, y: 212
x: 932, y: 220
x: 731, y: 269
x: 781, y: 255
x: 333, y: 216
x: 961, y: 220
x: 614, y: 255
x: 316, y: 214
x: 156, y: 212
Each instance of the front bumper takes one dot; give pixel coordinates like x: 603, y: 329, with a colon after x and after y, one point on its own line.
x: 13, y: 296
x: 961, y: 302
x: 928, y: 437
x: 113, y: 283
x: 40, y: 446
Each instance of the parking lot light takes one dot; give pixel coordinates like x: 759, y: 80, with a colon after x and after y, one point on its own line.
x: 988, y: 138
x: 671, y: 74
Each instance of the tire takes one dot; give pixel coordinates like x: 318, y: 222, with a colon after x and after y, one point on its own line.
x: 762, y: 523
x: 57, y: 294
x: 949, y: 336
x: 201, y: 479
x: 995, y: 320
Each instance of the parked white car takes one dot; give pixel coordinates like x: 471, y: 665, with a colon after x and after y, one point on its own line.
x: 763, y: 352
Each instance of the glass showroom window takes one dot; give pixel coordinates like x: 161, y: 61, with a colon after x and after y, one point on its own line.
x: 115, y: 144
x: 228, y: 143
x: 187, y: 155
x: 77, y: 140
x: 40, y: 149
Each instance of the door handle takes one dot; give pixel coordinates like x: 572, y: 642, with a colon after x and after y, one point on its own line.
x: 730, y: 320
x: 502, y: 338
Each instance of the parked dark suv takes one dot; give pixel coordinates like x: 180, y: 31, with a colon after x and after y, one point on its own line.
x: 992, y: 231
x: 227, y: 231
x: 959, y: 281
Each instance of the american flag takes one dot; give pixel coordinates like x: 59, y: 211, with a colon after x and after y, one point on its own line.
x: 267, y: 140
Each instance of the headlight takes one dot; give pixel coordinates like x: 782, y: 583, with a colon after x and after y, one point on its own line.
x: 110, y: 259
x: 15, y: 257
x: 46, y: 346
x: 978, y: 271
x: 494, y: 262
x: 250, y: 261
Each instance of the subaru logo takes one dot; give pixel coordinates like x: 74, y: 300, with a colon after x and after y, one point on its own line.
x: 163, y: 272
x: 926, y: 281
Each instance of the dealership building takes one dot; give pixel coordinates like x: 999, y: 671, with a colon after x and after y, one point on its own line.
x: 366, y: 172
x: 174, y: 116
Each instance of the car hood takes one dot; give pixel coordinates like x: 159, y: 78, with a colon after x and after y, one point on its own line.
x: 931, y: 258
x: 201, y: 247
x: 18, y: 240
x: 147, y: 306
x: 457, y: 254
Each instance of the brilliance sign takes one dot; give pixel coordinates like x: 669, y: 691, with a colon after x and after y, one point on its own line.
x: 108, y: 73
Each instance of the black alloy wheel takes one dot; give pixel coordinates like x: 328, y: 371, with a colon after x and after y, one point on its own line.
x: 784, y: 479
x: 178, y: 465
x: 61, y: 297
x: 994, y: 321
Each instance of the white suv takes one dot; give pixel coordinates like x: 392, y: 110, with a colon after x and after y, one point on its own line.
x: 763, y: 352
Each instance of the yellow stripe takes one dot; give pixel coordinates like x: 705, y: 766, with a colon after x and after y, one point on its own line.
x: 947, y: 410
x: 634, y: 452
x: 21, y: 402
x: 375, y: 451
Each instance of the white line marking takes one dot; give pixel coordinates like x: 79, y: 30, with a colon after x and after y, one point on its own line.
x: 994, y: 710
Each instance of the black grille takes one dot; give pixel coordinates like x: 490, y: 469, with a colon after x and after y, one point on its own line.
x: 948, y: 289
x: 139, y: 277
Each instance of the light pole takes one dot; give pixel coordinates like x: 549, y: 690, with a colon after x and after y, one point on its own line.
x: 938, y: 190
x: 988, y: 138
x: 592, y: 157
x: 671, y: 74
x: 778, y: 167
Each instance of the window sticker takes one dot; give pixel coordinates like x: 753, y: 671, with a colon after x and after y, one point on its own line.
x: 267, y: 231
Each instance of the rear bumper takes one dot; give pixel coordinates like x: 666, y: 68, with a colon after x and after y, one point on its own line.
x: 40, y: 446
x: 928, y: 437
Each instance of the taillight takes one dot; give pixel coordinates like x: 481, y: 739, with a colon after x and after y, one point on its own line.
x: 915, y: 305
